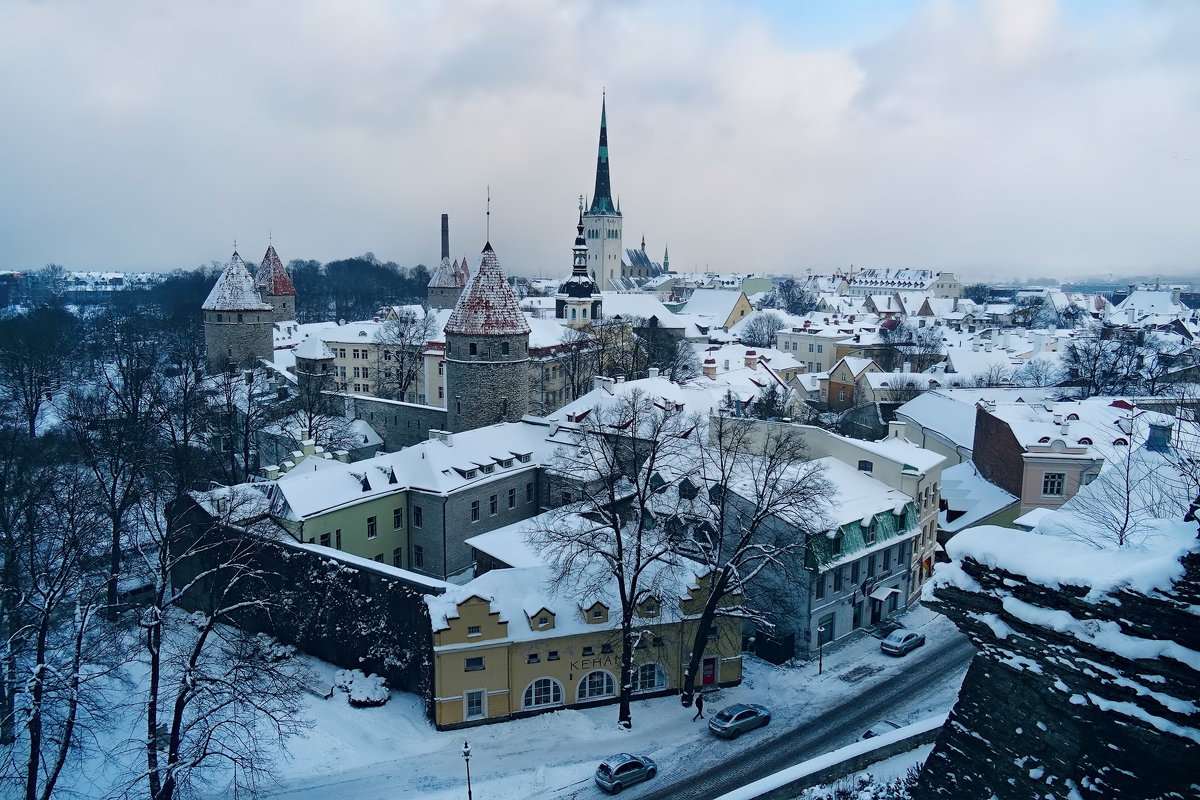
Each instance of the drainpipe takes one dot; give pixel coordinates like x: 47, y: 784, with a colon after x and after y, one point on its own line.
x: 445, y: 566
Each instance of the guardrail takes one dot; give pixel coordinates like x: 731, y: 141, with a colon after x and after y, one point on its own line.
x: 786, y: 784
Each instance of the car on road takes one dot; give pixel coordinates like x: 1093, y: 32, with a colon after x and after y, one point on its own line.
x: 901, y: 642
x: 623, y: 769
x: 732, y: 721
x: 879, y: 729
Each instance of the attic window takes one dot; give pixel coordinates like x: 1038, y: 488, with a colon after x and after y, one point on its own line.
x: 865, y: 466
x: 525, y: 458
x: 543, y: 621
x: 469, y: 473
x: 1119, y: 442
x: 1072, y: 417
x: 1044, y: 440
x: 488, y: 469
x: 507, y: 462
x: 1085, y: 440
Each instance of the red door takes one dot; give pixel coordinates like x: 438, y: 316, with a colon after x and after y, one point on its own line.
x: 710, y: 672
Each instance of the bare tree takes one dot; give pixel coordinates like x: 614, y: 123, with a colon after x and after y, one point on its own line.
x: 578, y: 361
x: 183, y: 397
x: 611, y: 539
x: 619, y: 349
x: 243, y: 404
x: 402, y: 341
x: 762, y: 499
x: 35, y: 353
x: 215, y: 694
x: 996, y: 374
x: 794, y: 298
x: 1037, y: 372
x: 761, y: 331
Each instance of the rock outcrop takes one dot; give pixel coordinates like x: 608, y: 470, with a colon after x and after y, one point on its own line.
x: 1088, y: 673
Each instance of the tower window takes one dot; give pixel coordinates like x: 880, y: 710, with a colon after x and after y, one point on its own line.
x: 473, y: 348
x: 504, y: 348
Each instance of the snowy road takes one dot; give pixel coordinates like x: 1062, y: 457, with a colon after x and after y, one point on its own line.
x: 391, y: 752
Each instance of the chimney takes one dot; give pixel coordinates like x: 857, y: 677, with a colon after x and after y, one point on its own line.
x: 445, y: 235
x: 752, y: 359
x: 895, y: 429
x: 987, y: 346
x: 710, y: 369
x: 342, y: 456
x: 600, y: 381
x: 441, y: 436
x: 1159, y: 439
x: 1066, y: 426
x: 653, y: 372
x: 975, y: 347
x: 1058, y: 419
x: 620, y: 379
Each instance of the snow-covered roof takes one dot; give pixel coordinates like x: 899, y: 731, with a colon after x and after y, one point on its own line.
x: 638, y: 304
x: 903, y: 452
x: 272, y: 277
x: 487, y: 306
x: 715, y: 304
x: 965, y: 490
x: 951, y: 416
x: 234, y: 290
x: 312, y: 348
x: 447, y: 276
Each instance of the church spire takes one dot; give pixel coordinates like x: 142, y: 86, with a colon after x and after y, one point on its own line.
x: 579, y: 264
x: 602, y: 197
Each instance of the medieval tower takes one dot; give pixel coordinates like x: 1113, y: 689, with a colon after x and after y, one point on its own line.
x: 578, y: 302
x: 447, y: 282
x: 238, y: 325
x: 487, y: 352
x: 275, y: 286
x: 603, y: 219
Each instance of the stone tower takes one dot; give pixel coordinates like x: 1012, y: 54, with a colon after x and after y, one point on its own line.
x: 578, y: 300
x: 275, y: 286
x: 487, y: 352
x: 603, y: 218
x: 446, y: 284
x: 238, y: 325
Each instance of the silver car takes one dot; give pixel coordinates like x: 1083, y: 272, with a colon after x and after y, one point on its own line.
x: 732, y: 721
x: 622, y: 769
x: 901, y: 642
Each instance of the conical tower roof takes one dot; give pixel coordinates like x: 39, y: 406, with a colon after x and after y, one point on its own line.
x: 446, y: 276
x: 602, y: 202
x: 487, y: 307
x: 235, y: 290
x: 272, y: 276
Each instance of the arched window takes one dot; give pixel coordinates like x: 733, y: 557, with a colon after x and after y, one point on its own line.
x: 1120, y: 442
x: 596, y: 684
x: 1085, y: 440
x: 1072, y: 417
x: 649, y: 677
x: 543, y: 692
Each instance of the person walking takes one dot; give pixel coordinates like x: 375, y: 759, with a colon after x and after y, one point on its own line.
x: 699, y: 706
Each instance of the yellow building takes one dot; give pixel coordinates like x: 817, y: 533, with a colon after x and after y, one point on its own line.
x: 507, y: 645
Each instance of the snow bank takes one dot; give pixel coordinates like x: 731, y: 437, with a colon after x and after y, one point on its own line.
x: 366, y: 691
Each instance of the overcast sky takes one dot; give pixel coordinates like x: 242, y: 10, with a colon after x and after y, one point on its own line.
x: 1013, y: 137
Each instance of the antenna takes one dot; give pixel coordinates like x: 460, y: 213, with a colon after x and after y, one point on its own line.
x: 235, y: 245
x: 489, y: 213
x: 270, y: 238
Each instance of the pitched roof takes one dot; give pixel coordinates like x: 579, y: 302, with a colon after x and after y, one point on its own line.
x: 487, y: 306
x: 447, y: 276
x: 234, y: 290
x: 272, y: 276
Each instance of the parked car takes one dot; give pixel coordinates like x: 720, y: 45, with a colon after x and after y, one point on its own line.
x: 732, y: 721
x: 879, y: 729
x: 622, y: 769
x: 901, y: 642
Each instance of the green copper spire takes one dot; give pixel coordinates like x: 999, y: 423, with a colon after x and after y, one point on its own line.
x: 602, y: 197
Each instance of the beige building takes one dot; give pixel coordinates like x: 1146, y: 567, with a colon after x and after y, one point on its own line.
x: 505, y: 646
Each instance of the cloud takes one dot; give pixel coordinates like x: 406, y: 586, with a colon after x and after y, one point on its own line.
x: 1012, y: 137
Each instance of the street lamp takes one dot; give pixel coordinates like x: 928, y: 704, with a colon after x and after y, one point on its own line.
x: 820, y: 650
x: 467, y: 758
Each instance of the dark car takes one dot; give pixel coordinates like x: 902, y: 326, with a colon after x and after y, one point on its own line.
x: 732, y: 721
x: 901, y: 642
x: 621, y: 770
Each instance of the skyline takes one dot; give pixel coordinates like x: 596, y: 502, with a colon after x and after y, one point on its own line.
x: 996, y: 139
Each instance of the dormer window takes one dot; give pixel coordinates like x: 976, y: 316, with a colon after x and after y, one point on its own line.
x: 543, y: 621
x: 488, y: 469
x: 507, y: 462
x: 473, y: 630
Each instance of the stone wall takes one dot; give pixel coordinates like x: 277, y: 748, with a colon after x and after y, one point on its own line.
x: 997, y: 453
x: 238, y: 343
x: 398, y: 424
x: 1096, y: 700
x: 487, y: 386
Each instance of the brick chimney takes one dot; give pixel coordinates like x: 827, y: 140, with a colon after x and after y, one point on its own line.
x: 752, y: 359
x: 710, y: 369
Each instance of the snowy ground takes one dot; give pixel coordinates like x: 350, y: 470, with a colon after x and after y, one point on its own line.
x: 394, y: 751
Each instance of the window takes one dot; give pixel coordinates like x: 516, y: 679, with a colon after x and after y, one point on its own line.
x: 825, y: 629
x: 854, y: 570
x: 474, y: 511
x: 869, y: 532
x: 397, y: 518
x: 887, y: 559
x: 597, y: 684
x: 379, y: 557
x: 342, y: 353
x: 810, y: 347
x: 533, y: 658
x: 372, y: 528
x: 418, y: 556
x: 606, y: 648
x: 866, y: 466
x: 492, y: 505
x: 396, y: 560
x: 357, y: 371
x: 552, y: 655
x: 441, y: 392
x: 835, y: 546
x: 649, y: 677
x: 543, y: 692
x: 529, y: 492
x: 512, y: 498
x: 473, y: 664
x: 820, y: 587
x: 587, y: 651
x: 820, y: 348
x: 598, y: 613
x: 418, y: 516
x: 871, y: 566
x: 325, y: 540
x: 837, y: 579
x: 1052, y: 484
x: 473, y: 700
x: 543, y: 620
x: 366, y: 371
x: 473, y: 349
x: 473, y: 630
x: 504, y: 348
x: 337, y: 537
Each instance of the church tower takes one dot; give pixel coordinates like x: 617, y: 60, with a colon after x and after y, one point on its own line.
x: 447, y: 282
x: 603, y: 219
x: 276, y: 287
x: 578, y: 300
x: 487, y: 352
x: 238, y: 326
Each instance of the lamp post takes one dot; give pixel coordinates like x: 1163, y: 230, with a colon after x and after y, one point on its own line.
x: 820, y: 649
x: 467, y: 758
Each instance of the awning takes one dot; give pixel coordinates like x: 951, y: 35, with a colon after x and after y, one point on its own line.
x: 883, y: 593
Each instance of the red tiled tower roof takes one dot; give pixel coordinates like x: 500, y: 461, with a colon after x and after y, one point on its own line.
x: 272, y: 276
x: 487, y: 306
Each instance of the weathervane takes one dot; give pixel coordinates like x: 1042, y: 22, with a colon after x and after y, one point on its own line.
x: 580, y: 204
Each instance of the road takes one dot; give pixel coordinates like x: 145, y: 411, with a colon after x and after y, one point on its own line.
x: 930, y: 667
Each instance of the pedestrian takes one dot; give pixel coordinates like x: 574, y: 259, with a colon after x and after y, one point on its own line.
x: 699, y: 706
